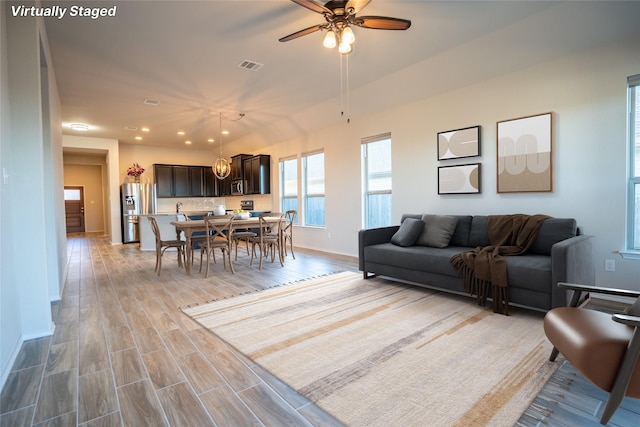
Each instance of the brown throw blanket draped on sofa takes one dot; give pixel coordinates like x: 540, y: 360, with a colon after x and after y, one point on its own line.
x: 485, y: 266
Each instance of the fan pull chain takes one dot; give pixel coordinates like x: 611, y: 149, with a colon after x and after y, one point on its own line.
x: 341, y: 88
x: 344, y: 81
x: 348, y: 99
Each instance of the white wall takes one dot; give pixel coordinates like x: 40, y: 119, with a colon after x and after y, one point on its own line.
x: 586, y: 92
x: 10, y: 321
x: 32, y: 198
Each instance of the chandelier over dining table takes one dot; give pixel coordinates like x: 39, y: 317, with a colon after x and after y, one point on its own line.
x: 221, y: 167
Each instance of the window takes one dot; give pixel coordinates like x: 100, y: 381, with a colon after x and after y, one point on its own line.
x: 289, y: 185
x: 376, y: 180
x: 313, y: 189
x: 633, y: 224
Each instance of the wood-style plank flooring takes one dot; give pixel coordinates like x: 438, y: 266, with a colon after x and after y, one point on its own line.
x: 123, y: 354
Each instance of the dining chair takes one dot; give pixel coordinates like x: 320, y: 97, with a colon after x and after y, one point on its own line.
x: 287, y: 231
x: 269, y: 238
x: 242, y: 235
x: 197, y: 239
x: 218, y: 231
x: 163, y: 245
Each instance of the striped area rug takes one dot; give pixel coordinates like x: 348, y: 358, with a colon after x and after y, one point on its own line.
x: 378, y: 353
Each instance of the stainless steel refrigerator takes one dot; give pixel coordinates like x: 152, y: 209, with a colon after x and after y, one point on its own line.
x: 137, y: 199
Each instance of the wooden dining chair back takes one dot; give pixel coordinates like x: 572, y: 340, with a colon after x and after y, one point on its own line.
x: 197, y: 239
x: 163, y: 245
x: 269, y: 238
x: 287, y: 231
x: 604, y: 348
x: 218, y: 230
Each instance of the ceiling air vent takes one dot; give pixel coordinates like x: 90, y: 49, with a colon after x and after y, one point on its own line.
x: 151, y: 102
x: 250, y: 65
x: 131, y: 128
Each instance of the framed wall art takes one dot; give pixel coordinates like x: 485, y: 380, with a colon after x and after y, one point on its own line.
x: 459, y: 143
x: 525, y: 154
x: 459, y: 179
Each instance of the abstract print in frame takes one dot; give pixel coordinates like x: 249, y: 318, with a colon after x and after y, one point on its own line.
x: 525, y: 154
x: 459, y: 179
x: 459, y: 143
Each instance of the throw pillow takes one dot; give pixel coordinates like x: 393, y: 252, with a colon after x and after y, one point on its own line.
x: 437, y: 230
x: 408, y: 232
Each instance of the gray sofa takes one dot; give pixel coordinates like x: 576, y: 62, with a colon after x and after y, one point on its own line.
x: 559, y: 254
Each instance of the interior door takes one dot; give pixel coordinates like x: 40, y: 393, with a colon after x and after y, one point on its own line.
x: 74, y: 209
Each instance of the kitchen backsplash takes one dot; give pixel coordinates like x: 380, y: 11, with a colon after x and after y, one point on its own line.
x: 168, y: 205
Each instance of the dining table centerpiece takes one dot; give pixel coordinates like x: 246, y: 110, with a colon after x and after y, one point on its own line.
x: 135, y: 171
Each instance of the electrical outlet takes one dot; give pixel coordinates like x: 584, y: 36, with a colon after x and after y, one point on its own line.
x: 609, y: 265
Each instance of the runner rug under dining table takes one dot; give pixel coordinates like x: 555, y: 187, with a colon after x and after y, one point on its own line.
x: 376, y: 352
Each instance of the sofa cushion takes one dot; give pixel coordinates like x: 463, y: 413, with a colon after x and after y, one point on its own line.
x: 479, y: 234
x: 461, y: 235
x: 417, y: 258
x: 437, y: 230
x: 552, y: 231
x: 408, y: 232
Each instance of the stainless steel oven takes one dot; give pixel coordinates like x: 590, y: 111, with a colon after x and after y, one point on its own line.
x: 237, y: 187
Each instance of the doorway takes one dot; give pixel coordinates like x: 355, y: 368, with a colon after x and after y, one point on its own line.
x: 74, y: 209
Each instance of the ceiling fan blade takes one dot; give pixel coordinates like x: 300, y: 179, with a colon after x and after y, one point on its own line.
x: 302, y: 32
x: 357, y: 5
x: 382, y: 23
x: 312, y: 5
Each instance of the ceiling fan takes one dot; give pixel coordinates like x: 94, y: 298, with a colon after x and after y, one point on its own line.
x: 341, y: 16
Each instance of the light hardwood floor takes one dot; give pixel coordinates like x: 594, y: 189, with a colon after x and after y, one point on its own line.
x: 123, y: 354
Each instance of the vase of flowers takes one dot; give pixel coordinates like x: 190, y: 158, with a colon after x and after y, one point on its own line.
x: 135, y: 171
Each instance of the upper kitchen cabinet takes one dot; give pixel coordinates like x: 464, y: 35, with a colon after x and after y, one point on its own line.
x: 211, y: 184
x: 184, y: 181
x: 257, y: 174
x: 237, y: 166
x: 164, y: 180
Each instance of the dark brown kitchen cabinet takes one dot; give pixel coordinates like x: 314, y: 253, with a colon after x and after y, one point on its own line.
x: 211, y: 188
x: 185, y: 181
x: 257, y: 174
x: 237, y: 166
x: 164, y: 180
x: 196, y: 181
x: 181, y: 187
x: 224, y: 186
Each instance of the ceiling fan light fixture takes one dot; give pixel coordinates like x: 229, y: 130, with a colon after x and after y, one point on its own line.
x: 344, y: 48
x: 330, y: 40
x: 347, y: 35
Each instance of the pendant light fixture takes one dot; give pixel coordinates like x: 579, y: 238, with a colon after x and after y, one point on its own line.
x: 221, y: 167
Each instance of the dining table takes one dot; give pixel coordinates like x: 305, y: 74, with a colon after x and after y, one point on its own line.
x: 195, y: 225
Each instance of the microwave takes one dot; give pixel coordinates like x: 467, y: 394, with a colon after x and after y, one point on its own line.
x: 236, y: 187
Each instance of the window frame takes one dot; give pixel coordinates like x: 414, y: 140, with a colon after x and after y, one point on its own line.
x: 364, y: 149
x: 306, y: 195
x: 632, y: 249
x: 283, y: 195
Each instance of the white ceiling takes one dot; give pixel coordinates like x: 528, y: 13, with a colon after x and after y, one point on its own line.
x: 185, y: 54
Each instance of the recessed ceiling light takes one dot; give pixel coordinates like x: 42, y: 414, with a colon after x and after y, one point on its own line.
x: 180, y: 132
x: 145, y: 129
x: 79, y: 127
x: 225, y: 132
x: 187, y: 142
x: 210, y: 140
x: 139, y: 138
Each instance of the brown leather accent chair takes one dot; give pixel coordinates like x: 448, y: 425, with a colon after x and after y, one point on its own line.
x: 604, y: 348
